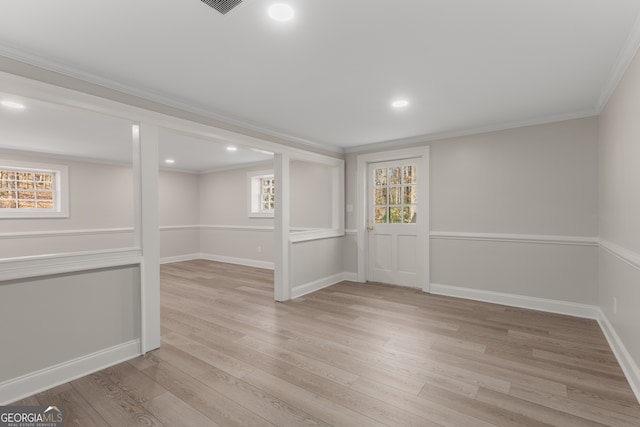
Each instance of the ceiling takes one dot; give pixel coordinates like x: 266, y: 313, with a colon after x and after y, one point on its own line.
x: 328, y: 76
x: 61, y: 131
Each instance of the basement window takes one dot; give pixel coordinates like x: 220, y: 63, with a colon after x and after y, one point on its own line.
x: 262, y: 196
x: 33, y: 190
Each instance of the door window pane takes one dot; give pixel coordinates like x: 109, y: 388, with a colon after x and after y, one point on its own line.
x: 409, y: 195
x: 395, y: 197
x: 409, y: 174
x: 394, y: 176
x: 409, y: 215
x: 381, y: 176
x: 395, y: 215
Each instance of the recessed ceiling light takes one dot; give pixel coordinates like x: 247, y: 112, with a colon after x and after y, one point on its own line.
x: 281, y: 12
x: 12, y: 104
x: 169, y: 161
x: 232, y: 148
x: 399, y: 103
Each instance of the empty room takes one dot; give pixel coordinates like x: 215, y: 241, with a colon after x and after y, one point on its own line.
x: 286, y: 213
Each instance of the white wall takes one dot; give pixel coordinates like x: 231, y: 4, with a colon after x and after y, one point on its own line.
x: 228, y: 234
x: 107, y: 303
x: 619, y: 212
x: 179, y: 200
x: 56, y: 327
x: 316, y: 264
x: 490, y: 191
x: 310, y: 195
x: 101, y: 206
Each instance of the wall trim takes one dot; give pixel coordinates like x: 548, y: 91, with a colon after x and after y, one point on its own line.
x: 630, y: 257
x: 628, y: 365
x: 145, y: 98
x: 240, y: 261
x: 64, y: 233
x: 624, y: 59
x: 516, y: 238
x: 522, y: 301
x: 44, y: 265
x: 237, y: 227
x: 44, y: 379
x: 179, y: 227
x: 350, y: 276
x: 310, y: 235
x: 420, y: 140
x: 179, y: 258
x: 316, y: 285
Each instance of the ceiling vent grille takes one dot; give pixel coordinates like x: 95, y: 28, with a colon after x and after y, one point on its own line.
x: 222, y: 6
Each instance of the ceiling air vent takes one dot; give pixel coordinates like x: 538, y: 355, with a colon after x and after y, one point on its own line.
x: 222, y: 6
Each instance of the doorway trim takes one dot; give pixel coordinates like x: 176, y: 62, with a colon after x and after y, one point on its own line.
x: 363, y: 161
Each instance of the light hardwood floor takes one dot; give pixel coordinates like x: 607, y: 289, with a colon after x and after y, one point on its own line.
x: 350, y: 355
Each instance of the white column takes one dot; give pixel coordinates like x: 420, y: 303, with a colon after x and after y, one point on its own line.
x: 337, y: 197
x: 147, y: 232
x: 282, y: 273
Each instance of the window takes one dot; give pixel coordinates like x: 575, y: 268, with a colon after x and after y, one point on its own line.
x: 33, y: 190
x: 395, y: 195
x: 262, y: 194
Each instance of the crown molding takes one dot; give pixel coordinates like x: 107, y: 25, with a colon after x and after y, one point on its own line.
x: 223, y: 121
x: 625, y: 57
x: 261, y: 163
x: 430, y: 137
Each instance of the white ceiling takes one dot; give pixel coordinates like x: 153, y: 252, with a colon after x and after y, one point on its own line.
x: 50, y: 129
x: 328, y: 76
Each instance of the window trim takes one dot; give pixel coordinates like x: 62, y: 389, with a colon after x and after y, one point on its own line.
x: 60, y: 194
x: 253, y: 194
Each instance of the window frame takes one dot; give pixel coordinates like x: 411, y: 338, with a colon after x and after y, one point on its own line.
x: 60, y: 190
x: 254, y: 192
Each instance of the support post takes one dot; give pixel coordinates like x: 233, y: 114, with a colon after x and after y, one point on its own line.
x: 147, y: 231
x: 282, y: 256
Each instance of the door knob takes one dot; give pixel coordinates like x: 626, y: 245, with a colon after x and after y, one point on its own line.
x: 370, y: 228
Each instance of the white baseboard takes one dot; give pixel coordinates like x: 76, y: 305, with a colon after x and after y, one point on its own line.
x: 349, y: 276
x: 179, y: 258
x: 522, y: 301
x: 240, y: 261
x: 628, y: 365
x: 44, y: 379
x: 316, y: 285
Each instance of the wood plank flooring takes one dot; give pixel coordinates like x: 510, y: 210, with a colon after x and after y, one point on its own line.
x: 350, y: 355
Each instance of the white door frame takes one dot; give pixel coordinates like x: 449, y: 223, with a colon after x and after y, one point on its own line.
x: 363, y: 161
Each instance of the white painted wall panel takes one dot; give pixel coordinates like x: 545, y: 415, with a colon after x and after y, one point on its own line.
x: 179, y: 198
x: 533, y: 180
x: 223, y: 198
x: 316, y: 260
x: 310, y: 195
x: 557, y: 272
x: 243, y: 245
x: 54, y: 319
x: 620, y: 163
x: 619, y: 209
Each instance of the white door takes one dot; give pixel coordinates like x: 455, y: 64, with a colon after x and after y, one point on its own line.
x: 396, y: 228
